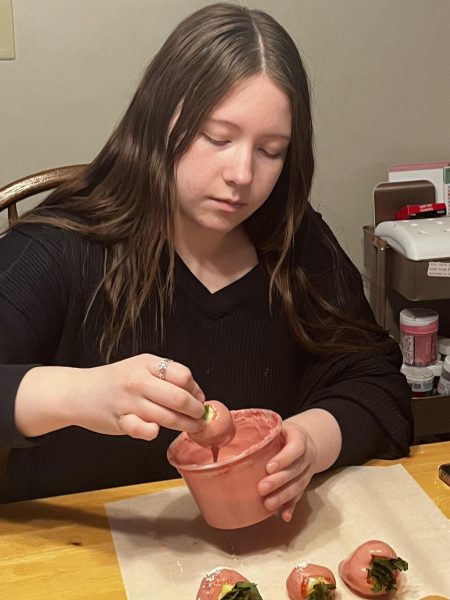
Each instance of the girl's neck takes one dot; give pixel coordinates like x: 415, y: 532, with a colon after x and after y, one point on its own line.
x: 216, y: 260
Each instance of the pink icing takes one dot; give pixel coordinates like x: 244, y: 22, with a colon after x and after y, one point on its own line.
x: 302, y: 578
x: 226, y: 490
x: 219, y: 428
x: 353, y: 569
x: 253, y: 428
x: 213, y: 582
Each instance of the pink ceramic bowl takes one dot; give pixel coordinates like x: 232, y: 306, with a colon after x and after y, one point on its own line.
x: 225, y: 491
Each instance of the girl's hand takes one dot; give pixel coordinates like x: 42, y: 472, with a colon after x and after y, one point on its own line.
x: 312, y: 442
x: 126, y: 397
x: 129, y: 397
x: 289, y: 471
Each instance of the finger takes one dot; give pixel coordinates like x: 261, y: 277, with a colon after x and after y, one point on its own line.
x: 167, y: 417
x: 135, y: 427
x: 287, y: 510
x: 182, y: 377
x: 172, y: 371
x: 177, y: 374
x: 281, y: 478
x: 290, y: 492
x: 174, y: 398
x: 197, y: 393
x: 294, y: 449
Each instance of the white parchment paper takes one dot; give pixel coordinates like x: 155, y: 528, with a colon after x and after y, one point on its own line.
x: 165, y: 548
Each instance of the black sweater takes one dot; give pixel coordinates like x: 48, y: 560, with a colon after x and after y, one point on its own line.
x: 238, y: 351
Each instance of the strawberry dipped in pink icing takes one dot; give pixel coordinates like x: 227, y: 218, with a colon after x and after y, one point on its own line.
x: 219, y: 428
x: 308, y: 581
x: 224, y: 584
x: 372, y: 569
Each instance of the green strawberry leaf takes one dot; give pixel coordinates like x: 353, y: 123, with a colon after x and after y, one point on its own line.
x: 322, y: 591
x: 243, y: 590
x: 382, y: 571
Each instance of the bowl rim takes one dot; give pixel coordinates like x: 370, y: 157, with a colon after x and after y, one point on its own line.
x: 275, y: 431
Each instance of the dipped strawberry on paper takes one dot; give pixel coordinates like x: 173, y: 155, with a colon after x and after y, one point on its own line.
x: 373, y: 569
x: 226, y: 584
x: 308, y: 581
x: 219, y: 427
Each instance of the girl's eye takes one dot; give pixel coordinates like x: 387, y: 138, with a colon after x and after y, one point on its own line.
x: 212, y: 140
x: 272, y: 154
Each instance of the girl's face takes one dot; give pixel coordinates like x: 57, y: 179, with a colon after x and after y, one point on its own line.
x: 236, y: 158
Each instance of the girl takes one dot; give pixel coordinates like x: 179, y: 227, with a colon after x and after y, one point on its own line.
x: 191, y: 236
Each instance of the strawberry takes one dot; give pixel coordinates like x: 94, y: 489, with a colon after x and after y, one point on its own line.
x: 308, y: 581
x: 227, y: 584
x: 372, y: 569
x: 219, y: 427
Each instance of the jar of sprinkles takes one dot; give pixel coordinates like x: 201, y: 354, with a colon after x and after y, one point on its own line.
x: 443, y: 347
x: 443, y: 388
x: 420, y: 380
x: 418, y: 336
x: 436, y: 369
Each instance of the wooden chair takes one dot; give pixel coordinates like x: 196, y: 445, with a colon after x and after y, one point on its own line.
x: 34, y: 184
x: 10, y: 195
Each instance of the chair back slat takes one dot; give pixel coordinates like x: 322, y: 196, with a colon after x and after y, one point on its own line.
x: 34, y: 184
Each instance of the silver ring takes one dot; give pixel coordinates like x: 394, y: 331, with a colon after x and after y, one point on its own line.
x: 162, y: 368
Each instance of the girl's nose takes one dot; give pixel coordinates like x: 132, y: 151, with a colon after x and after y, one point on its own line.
x: 238, y: 169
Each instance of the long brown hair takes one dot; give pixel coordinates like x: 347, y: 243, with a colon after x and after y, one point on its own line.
x: 125, y: 197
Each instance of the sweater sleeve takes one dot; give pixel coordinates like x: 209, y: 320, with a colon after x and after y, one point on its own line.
x: 370, y: 400
x: 33, y: 298
x: 364, y: 391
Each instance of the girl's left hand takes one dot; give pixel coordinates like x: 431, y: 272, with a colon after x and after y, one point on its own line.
x: 289, y: 471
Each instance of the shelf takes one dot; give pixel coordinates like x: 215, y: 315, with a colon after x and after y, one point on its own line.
x: 394, y: 282
x: 431, y: 415
x: 408, y: 277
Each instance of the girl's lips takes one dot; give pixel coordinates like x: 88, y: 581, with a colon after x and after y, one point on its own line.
x: 228, y: 205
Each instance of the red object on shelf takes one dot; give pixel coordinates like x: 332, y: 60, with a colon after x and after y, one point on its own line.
x: 421, y: 211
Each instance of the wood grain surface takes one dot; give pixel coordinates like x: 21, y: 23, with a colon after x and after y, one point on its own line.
x: 61, y: 548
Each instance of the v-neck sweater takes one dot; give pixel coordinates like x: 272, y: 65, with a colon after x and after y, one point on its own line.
x: 239, y: 350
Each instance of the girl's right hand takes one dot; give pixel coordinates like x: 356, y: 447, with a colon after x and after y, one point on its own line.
x: 126, y: 397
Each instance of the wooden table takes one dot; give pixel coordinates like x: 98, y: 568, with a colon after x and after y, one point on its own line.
x: 61, y: 548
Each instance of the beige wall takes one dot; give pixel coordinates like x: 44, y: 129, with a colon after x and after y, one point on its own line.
x: 379, y: 69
